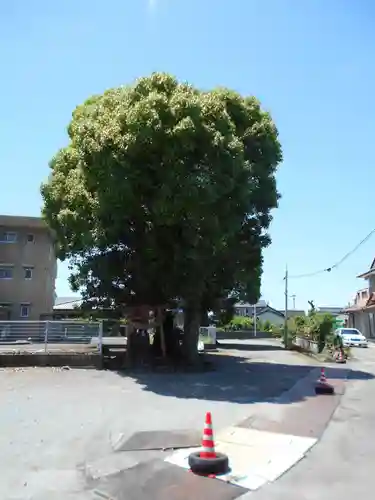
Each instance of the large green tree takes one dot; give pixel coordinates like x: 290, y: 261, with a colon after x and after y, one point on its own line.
x: 165, y: 191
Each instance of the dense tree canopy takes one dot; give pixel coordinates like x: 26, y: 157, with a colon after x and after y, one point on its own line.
x: 165, y: 191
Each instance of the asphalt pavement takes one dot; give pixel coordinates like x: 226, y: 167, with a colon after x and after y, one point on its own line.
x: 341, y: 466
x: 57, y: 423
x: 60, y: 427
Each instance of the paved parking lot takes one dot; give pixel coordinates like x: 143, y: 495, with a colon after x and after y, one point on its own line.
x: 54, y: 420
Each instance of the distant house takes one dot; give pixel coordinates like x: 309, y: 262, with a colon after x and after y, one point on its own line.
x: 335, y: 311
x: 361, y: 314
x: 247, y: 310
x: 272, y: 315
x: 292, y: 313
x: 339, y: 314
x: 66, y: 308
x: 265, y: 312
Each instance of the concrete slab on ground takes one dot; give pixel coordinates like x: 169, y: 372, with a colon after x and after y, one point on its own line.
x: 255, y: 457
x: 159, y: 440
x: 160, y: 480
x: 115, y: 463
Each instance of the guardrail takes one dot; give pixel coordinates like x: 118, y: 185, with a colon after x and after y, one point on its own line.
x: 68, y: 335
x: 49, y: 335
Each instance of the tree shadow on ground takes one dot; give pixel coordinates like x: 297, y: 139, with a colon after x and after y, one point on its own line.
x: 239, y: 380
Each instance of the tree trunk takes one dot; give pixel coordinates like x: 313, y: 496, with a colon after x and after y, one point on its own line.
x: 130, y: 347
x: 162, y: 333
x: 192, y: 319
x: 205, y: 321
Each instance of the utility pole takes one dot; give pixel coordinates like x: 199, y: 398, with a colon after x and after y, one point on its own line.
x: 294, y: 300
x: 286, y: 309
x: 255, y: 320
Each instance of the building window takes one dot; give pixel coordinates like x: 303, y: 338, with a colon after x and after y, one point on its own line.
x: 5, y: 312
x: 28, y: 273
x: 25, y: 310
x: 6, y: 273
x: 30, y: 238
x: 8, y: 237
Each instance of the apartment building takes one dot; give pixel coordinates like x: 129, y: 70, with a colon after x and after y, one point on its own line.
x: 28, y: 268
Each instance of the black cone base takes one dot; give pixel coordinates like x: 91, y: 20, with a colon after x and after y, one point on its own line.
x: 341, y: 361
x: 208, y: 466
x: 324, y: 388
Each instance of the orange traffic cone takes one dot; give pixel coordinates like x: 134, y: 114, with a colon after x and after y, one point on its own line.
x: 322, y: 386
x: 340, y: 357
x: 207, y: 462
x: 208, y: 445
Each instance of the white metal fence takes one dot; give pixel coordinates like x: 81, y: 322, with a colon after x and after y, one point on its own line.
x: 68, y: 335
x: 49, y: 335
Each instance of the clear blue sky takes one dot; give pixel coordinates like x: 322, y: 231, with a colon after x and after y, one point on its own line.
x: 311, y: 63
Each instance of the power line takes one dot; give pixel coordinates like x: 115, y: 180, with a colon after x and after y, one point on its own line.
x: 353, y: 250
x: 338, y: 263
x: 309, y: 275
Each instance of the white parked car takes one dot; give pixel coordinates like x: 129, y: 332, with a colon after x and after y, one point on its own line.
x: 351, y: 337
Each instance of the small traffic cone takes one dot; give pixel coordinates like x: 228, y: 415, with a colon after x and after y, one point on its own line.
x: 208, y: 445
x: 340, y: 356
x: 206, y: 462
x: 322, y: 386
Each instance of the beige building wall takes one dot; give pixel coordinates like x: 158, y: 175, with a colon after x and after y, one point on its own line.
x: 28, y: 267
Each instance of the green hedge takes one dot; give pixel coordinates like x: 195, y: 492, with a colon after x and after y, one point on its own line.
x: 316, y: 327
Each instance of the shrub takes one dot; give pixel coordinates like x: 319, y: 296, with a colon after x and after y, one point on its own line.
x: 316, y: 327
x: 325, y: 330
x: 240, y: 323
x: 267, y: 326
x: 277, y: 331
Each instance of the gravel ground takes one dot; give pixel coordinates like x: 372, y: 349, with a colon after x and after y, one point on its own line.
x: 53, y: 420
x: 37, y: 348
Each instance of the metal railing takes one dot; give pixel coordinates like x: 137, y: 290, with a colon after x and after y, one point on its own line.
x: 68, y: 335
x: 64, y: 335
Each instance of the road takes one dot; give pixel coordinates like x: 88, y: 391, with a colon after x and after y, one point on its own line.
x: 54, y: 420
x: 57, y: 423
x: 341, y: 466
